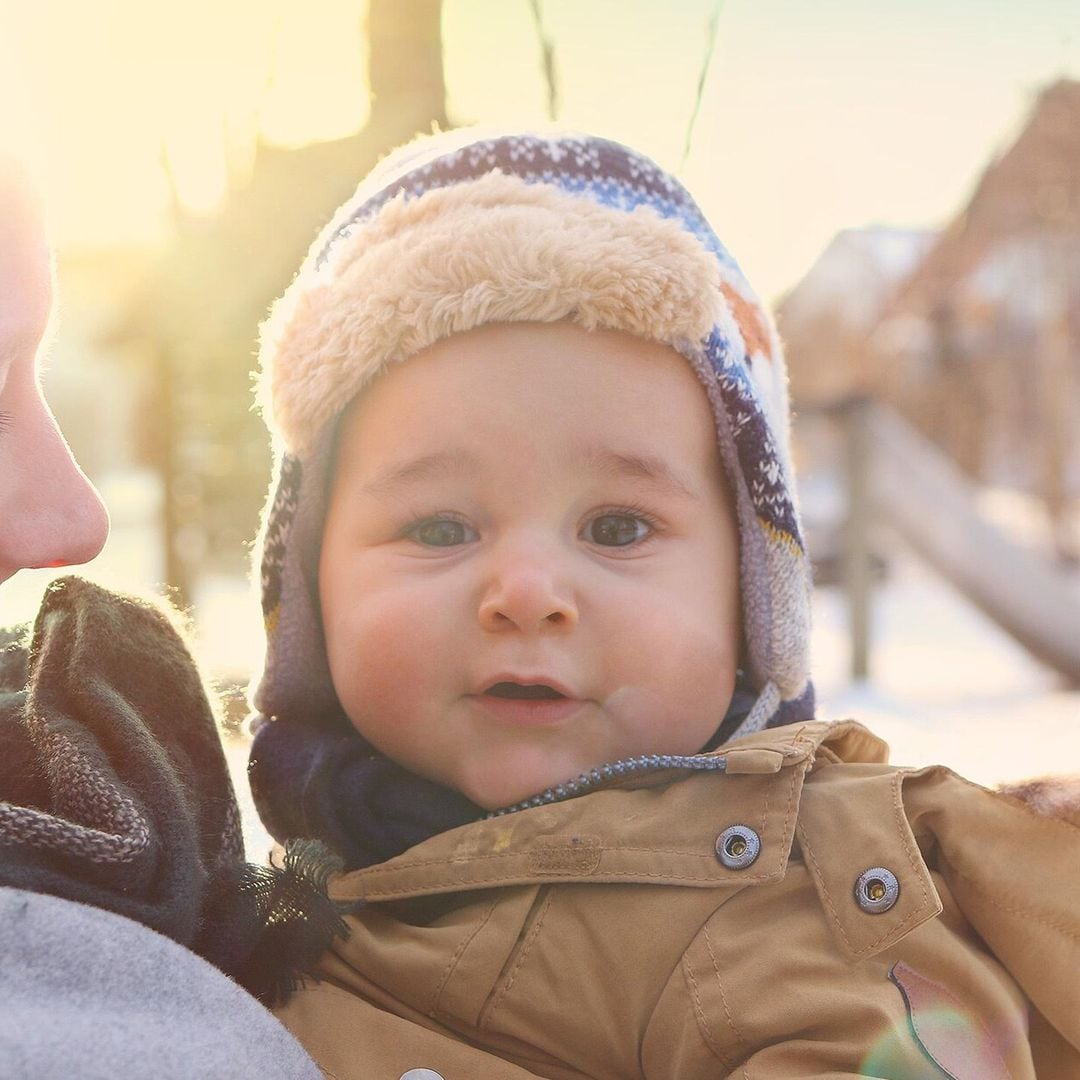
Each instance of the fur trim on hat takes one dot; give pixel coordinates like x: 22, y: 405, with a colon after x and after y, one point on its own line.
x: 1050, y: 796
x: 494, y: 249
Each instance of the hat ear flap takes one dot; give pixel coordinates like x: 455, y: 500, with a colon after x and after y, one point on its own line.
x: 295, y: 681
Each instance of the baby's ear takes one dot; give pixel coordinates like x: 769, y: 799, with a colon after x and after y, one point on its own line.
x: 1051, y: 796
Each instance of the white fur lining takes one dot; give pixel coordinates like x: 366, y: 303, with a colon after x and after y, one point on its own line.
x: 495, y: 249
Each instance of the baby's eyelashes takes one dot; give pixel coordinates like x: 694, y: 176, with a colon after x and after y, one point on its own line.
x: 616, y: 530
x: 441, y: 531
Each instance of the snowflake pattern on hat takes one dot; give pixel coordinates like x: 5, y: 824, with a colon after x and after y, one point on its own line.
x: 607, y: 172
x: 276, y: 536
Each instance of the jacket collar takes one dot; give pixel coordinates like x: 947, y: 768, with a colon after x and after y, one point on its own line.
x: 646, y: 829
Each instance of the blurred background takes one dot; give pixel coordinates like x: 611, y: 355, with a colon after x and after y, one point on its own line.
x: 901, y: 183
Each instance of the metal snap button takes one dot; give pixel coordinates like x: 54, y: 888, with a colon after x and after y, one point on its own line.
x: 738, y: 846
x: 877, y: 890
x: 421, y: 1074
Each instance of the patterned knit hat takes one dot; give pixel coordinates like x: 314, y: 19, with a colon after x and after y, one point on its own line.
x: 458, y: 230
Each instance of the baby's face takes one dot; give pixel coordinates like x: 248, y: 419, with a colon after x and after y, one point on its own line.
x: 530, y: 563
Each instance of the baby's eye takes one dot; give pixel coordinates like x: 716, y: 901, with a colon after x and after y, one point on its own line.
x: 616, y: 530
x: 441, y: 532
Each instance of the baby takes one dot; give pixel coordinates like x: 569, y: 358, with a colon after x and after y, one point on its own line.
x: 537, y: 605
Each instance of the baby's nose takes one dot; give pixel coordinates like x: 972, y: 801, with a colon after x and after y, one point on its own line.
x: 530, y: 592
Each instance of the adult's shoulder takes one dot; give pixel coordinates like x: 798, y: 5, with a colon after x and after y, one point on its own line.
x: 87, y: 992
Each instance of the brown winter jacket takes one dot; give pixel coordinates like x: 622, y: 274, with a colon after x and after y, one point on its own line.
x: 603, y: 936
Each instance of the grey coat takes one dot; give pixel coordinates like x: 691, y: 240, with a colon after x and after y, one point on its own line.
x: 89, y: 994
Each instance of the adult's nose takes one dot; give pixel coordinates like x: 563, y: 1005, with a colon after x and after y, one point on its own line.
x: 50, y: 513
x: 528, y: 589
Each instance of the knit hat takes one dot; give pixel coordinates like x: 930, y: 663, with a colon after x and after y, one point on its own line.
x: 458, y: 230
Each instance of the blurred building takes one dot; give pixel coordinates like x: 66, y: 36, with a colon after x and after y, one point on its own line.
x: 977, y: 341
x: 828, y: 318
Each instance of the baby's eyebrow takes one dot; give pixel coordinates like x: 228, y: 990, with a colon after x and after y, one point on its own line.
x: 602, y: 460
x: 415, y: 470
x: 648, y: 467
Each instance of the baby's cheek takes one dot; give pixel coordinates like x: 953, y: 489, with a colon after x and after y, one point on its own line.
x: 692, y: 653
x: 636, y: 708
x: 679, y: 689
x: 386, y: 623
x: 708, y: 679
x: 366, y: 646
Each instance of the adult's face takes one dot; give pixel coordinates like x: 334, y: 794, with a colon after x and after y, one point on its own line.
x: 50, y: 515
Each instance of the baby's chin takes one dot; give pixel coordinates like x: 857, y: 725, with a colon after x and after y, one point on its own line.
x: 502, y: 792
x: 502, y: 785
x: 498, y: 784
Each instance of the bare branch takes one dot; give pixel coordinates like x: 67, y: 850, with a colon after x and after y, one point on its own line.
x: 547, y: 51
x: 714, y: 23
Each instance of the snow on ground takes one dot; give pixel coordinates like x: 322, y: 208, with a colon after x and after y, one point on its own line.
x: 947, y: 686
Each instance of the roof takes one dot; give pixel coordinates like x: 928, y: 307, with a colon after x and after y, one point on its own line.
x: 1028, y: 196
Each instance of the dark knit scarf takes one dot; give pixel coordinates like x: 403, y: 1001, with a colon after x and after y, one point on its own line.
x: 323, y: 780
x: 114, y: 792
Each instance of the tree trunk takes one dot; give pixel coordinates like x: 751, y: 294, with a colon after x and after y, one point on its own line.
x: 405, y: 63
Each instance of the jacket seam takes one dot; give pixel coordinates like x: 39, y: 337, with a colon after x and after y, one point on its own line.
x: 914, y: 857
x: 376, y: 871
x: 808, y: 851
x: 720, y: 987
x: 465, y: 942
x: 605, y: 876
x: 764, y: 809
x: 699, y: 1012
x: 526, y: 947
x: 791, y: 813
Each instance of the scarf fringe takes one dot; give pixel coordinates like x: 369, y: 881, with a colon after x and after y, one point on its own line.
x: 267, y: 926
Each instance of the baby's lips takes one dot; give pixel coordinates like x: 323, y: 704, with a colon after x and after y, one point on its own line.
x: 525, y: 687
x: 525, y: 691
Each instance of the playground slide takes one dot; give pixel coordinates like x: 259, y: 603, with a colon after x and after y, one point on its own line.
x: 931, y: 504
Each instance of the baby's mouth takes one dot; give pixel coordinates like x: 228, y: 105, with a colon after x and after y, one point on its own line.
x: 524, y: 691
